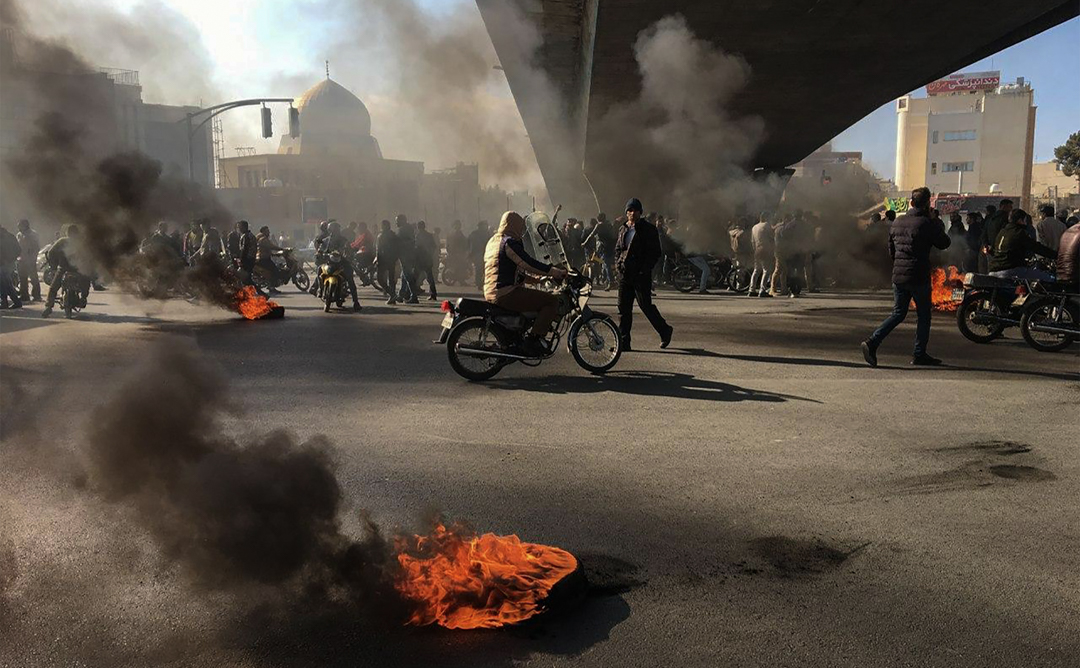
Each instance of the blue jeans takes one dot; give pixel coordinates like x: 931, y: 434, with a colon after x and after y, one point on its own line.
x: 703, y: 265
x: 902, y: 296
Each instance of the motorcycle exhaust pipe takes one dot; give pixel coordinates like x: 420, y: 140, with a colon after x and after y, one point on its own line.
x: 477, y: 352
x: 1050, y: 329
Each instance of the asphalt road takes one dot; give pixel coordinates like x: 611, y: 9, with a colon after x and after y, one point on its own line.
x: 752, y: 496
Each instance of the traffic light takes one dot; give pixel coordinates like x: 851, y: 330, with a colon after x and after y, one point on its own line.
x: 294, y: 122
x: 267, y: 123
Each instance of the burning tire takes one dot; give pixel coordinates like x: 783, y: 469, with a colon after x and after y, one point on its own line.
x: 1048, y: 312
x: 595, y: 344
x: 470, y: 333
x: 977, y: 318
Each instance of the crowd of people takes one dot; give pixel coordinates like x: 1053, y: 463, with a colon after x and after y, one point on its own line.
x: 782, y: 253
x: 1004, y: 244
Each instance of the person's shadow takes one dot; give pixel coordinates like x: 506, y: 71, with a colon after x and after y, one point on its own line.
x: 645, y: 383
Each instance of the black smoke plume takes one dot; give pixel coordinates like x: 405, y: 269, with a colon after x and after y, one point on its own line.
x: 73, y: 168
x: 262, y: 514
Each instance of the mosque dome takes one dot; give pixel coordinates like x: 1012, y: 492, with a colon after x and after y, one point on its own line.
x: 332, y: 121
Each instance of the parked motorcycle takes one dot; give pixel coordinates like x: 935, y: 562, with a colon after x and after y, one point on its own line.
x: 1051, y: 317
x: 482, y: 338
x: 989, y: 305
x: 333, y: 276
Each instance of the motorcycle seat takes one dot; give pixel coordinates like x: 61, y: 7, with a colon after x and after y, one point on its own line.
x: 987, y: 281
x: 471, y: 307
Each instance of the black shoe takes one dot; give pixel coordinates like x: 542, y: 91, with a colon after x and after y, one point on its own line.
x: 869, y: 352
x: 390, y: 301
x: 432, y: 298
x: 666, y: 340
x: 357, y: 307
x: 46, y: 312
x: 15, y: 305
x: 925, y: 360
x: 532, y: 346
x: 414, y: 300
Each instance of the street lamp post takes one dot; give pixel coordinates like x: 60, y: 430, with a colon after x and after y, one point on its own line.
x: 214, y: 111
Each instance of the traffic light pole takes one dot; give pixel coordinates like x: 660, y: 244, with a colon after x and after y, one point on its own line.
x: 192, y: 128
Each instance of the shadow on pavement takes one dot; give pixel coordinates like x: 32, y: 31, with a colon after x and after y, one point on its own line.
x: 646, y: 383
x: 20, y: 320
x: 770, y: 359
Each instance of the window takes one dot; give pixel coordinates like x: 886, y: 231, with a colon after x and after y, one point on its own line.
x: 958, y: 166
x: 935, y: 136
x: 901, y: 104
x: 959, y: 135
x: 933, y: 168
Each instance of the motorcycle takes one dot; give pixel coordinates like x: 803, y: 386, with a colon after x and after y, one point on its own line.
x: 596, y: 270
x: 989, y: 305
x: 1051, y: 317
x: 686, y: 277
x: 481, y: 338
x: 738, y: 279
x: 73, y: 291
x: 333, y: 277
x: 290, y: 269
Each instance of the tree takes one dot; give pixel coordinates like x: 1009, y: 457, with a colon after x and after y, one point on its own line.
x: 1067, y: 156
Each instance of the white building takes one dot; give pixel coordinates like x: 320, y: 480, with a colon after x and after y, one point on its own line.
x: 969, y: 135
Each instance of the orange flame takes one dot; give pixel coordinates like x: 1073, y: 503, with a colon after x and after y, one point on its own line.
x: 942, y: 285
x: 252, y: 305
x: 463, y: 581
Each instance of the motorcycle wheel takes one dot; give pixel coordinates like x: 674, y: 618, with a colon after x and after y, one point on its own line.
x: 474, y: 368
x: 739, y: 280
x: 969, y: 310
x: 595, y: 344
x: 448, y: 277
x: 301, y: 281
x: 684, y: 279
x: 1043, y: 311
x: 328, y: 297
x: 69, y: 299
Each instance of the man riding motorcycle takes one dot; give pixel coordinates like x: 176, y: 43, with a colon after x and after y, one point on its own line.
x: 1014, y: 246
x: 506, y: 268
x: 336, y: 241
x: 63, y: 257
x: 264, y: 259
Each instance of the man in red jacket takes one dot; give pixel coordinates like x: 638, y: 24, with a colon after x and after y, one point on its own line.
x: 911, y: 237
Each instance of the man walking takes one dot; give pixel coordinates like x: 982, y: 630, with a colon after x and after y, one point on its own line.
x: 386, y: 254
x: 636, y: 251
x: 911, y: 238
x: 426, y: 256
x: 29, y: 246
x: 764, y: 251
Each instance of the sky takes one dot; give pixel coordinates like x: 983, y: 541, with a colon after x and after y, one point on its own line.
x: 257, y: 48
x: 1050, y: 61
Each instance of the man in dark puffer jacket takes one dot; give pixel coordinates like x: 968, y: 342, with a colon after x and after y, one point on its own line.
x: 911, y: 238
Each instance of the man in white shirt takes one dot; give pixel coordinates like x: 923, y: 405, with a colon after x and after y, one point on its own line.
x: 1048, y: 231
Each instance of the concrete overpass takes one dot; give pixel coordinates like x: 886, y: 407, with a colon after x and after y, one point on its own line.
x: 818, y: 66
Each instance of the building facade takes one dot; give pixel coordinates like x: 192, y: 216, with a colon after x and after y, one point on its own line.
x: 969, y: 135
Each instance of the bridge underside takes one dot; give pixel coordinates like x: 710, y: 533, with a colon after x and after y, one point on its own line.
x: 817, y: 67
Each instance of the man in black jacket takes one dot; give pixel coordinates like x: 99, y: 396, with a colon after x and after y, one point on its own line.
x: 910, y: 239
x: 636, y: 252
x: 1012, y: 248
